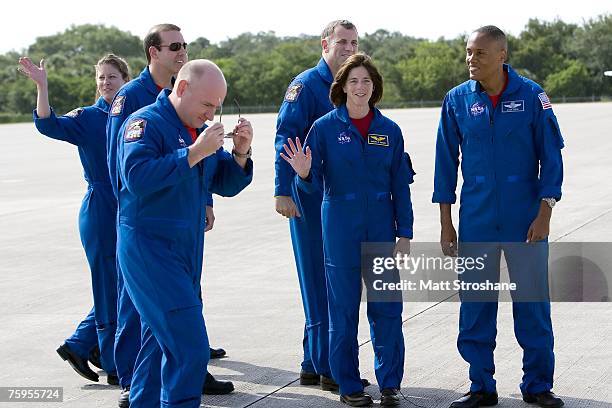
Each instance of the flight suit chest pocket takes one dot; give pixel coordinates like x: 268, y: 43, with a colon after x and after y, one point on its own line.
x: 472, y: 148
x: 378, y: 156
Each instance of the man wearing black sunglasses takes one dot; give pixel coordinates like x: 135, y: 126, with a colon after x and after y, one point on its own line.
x: 166, y: 52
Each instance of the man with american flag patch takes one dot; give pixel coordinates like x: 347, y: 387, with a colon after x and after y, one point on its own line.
x: 504, y: 127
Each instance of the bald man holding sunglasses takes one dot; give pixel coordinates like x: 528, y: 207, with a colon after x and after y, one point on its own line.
x: 166, y: 52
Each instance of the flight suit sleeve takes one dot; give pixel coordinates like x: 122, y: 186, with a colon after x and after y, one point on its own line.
x: 314, y: 182
x: 120, y: 109
x: 292, y: 121
x: 548, y: 142
x: 143, y: 165
x: 229, y: 178
x: 402, y: 175
x: 447, y: 156
x: 68, y: 128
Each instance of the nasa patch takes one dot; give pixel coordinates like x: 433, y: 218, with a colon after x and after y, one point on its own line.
x: 477, y: 109
x: 134, y: 130
x: 117, y: 107
x: 344, y: 138
x: 74, y: 113
x: 293, y: 92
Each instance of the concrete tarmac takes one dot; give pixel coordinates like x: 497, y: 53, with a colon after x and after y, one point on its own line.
x: 252, y: 304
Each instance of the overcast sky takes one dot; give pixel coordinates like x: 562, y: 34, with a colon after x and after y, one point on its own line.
x: 23, y: 21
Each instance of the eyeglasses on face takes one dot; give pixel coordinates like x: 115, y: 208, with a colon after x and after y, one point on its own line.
x: 175, y: 46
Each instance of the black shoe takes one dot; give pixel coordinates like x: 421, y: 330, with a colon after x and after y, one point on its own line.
x: 78, y: 364
x: 112, y: 379
x: 328, y: 384
x: 94, y: 357
x: 544, y: 399
x: 307, y: 378
x: 124, y: 398
x: 475, y: 400
x: 358, y: 399
x: 214, y: 387
x: 389, y: 398
x: 217, y: 353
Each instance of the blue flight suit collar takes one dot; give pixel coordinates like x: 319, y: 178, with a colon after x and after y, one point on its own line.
x: 343, y: 115
x: 147, y: 81
x: 102, y: 105
x: 324, y: 71
x: 169, y: 113
x: 514, y: 82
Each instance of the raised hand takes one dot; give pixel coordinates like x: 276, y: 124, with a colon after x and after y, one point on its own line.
x: 38, y: 74
x: 299, y: 160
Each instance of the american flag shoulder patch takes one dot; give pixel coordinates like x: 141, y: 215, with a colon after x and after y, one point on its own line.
x: 544, y: 100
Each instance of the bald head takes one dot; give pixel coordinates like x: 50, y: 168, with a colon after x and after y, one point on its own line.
x: 199, y: 90
x: 198, y: 70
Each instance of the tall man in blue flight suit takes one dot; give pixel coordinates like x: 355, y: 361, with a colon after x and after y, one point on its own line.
x: 306, y: 100
x: 164, y: 180
x: 166, y: 53
x: 510, y: 145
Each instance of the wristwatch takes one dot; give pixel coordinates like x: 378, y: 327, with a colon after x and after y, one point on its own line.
x: 550, y: 201
x: 246, y: 155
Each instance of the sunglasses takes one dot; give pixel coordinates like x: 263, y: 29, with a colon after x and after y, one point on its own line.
x: 230, y: 134
x: 175, y: 46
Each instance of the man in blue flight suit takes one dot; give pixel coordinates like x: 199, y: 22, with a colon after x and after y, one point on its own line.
x: 162, y: 198
x: 166, y: 53
x: 306, y: 100
x: 510, y: 145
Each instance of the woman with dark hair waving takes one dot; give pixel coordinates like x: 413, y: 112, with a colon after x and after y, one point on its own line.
x: 86, y: 129
x: 355, y: 155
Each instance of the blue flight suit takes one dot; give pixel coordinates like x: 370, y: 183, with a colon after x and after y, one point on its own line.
x: 306, y: 100
x: 85, y: 128
x: 366, y: 198
x: 137, y: 93
x: 160, y: 248
x: 510, y: 160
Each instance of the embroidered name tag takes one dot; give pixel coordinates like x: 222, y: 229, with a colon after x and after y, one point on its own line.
x: 378, y: 140
x: 513, y: 106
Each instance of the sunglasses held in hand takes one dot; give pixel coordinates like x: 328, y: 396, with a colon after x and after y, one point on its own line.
x: 230, y: 134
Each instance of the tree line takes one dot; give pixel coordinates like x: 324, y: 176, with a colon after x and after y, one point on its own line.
x: 567, y: 59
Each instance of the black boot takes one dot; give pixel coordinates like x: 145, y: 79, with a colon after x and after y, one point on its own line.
x: 79, y: 364
x: 328, y: 384
x: 112, y: 379
x: 94, y: 357
x: 124, y: 398
x: 389, y: 398
x: 307, y: 378
x: 217, y: 353
x: 214, y: 387
x: 357, y: 399
x: 544, y: 399
x: 475, y: 400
